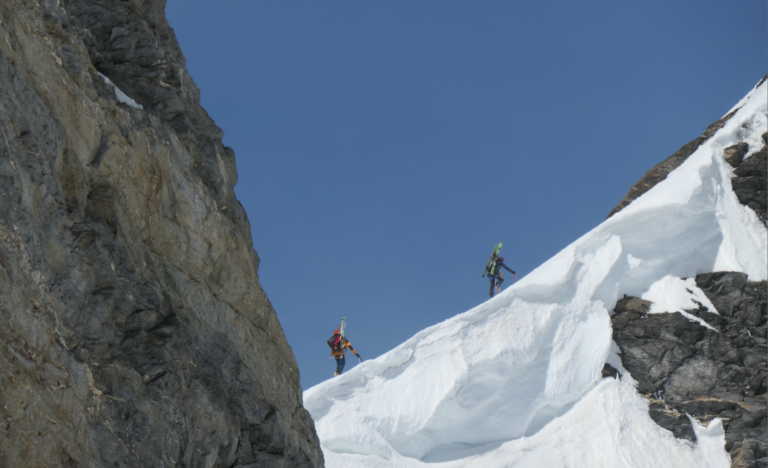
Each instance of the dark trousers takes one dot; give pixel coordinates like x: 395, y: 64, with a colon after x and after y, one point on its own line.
x: 495, y: 281
x: 340, y: 361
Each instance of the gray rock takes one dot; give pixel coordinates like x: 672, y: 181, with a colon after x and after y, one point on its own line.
x: 684, y: 368
x: 734, y: 155
x: 133, y: 330
x: 610, y: 371
x: 750, y: 182
x: 632, y: 304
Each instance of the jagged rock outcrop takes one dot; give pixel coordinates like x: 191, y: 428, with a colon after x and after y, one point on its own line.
x: 750, y: 181
x: 734, y: 155
x: 686, y: 368
x: 133, y: 330
x: 660, y: 171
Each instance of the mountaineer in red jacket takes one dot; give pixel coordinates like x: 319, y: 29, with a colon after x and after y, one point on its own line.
x: 339, y: 345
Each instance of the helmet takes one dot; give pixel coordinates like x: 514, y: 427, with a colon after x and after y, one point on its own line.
x: 336, y: 332
x: 501, y: 259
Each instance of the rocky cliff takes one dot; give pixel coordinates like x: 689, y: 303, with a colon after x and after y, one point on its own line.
x: 685, y: 368
x: 133, y: 330
x: 691, y: 370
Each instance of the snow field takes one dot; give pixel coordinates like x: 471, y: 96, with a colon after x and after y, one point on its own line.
x: 608, y: 428
x: 517, y: 381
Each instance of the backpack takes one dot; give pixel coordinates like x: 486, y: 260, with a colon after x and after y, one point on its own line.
x: 334, y: 341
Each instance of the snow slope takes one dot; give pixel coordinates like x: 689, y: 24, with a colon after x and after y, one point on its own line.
x: 517, y: 381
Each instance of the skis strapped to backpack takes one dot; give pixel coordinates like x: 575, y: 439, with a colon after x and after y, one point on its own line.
x: 342, y: 326
x: 492, y: 260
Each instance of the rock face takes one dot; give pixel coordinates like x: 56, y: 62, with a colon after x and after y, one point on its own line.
x: 683, y: 367
x: 734, y: 155
x: 751, y: 178
x: 133, y: 330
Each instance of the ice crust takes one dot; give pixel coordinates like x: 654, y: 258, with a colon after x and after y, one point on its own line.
x: 516, y: 381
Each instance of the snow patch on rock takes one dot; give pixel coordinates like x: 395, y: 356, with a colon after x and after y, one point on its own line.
x: 121, y: 96
x: 671, y: 294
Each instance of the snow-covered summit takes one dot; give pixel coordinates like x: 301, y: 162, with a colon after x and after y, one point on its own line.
x: 517, y: 380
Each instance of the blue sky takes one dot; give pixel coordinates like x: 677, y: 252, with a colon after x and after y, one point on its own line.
x: 384, y: 148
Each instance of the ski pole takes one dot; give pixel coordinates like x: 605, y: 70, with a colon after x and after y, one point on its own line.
x: 515, y: 277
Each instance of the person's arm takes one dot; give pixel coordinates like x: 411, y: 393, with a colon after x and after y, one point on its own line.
x: 506, y: 268
x: 349, y: 347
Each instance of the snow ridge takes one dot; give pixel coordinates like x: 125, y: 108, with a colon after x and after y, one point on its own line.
x: 517, y: 380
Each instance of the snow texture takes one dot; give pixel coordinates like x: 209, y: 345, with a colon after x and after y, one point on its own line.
x: 121, y: 96
x: 671, y: 294
x: 516, y: 381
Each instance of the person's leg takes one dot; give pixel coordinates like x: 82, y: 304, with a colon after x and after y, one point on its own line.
x: 499, y: 280
x: 340, y: 361
x: 493, y: 282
